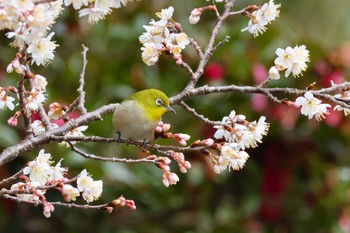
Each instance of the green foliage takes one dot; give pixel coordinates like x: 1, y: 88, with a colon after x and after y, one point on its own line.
x: 296, y: 181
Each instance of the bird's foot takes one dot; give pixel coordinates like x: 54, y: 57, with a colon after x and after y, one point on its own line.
x: 118, y: 137
x: 144, y: 142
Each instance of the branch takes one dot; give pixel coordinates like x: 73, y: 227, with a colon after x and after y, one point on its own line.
x: 22, y: 107
x: 27, y: 145
x: 147, y: 146
x: 57, y: 203
x: 187, y: 68
x: 204, y: 90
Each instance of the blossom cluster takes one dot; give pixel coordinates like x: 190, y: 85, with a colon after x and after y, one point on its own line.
x: 168, y: 177
x: 163, y: 36
x: 292, y: 60
x: 28, y: 24
x: 238, y: 134
x: 32, y: 101
x: 40, y: 174
x: 97, y: 9
x: 311, y: 106
x: 260, y: 18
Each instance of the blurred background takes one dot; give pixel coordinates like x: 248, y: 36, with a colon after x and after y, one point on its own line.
x: 298, y: 180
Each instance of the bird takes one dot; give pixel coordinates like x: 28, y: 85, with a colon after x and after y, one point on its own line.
x: 136, y: 117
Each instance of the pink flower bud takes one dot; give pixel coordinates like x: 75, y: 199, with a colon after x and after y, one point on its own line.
x: 173, y: 178
x: 165, y: 181
x: 166, y: 127
x: 207, y: 142
x: 159, y: 129
x: 183, y: 169
x: 131, y: 204
x: 12, y: 121
x: 48, y: 208
x: 9, y: 68
x: 187, y: 165
x: 195, y: 15
x: 122, y: 201
x: 16, y: 64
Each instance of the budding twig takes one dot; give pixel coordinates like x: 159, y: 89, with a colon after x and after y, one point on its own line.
x: 199, y: 116
x: 11, y: 178
x: 57, y: 203
x: 110, y: 159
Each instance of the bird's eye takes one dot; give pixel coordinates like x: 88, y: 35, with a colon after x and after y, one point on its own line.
x: 159, y: 102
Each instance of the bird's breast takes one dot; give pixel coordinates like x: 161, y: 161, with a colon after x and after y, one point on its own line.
x: 130, y: 120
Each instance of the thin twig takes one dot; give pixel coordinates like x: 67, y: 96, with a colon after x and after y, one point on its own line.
x: 187, y: 68
x: 209, y: 49
x: 199, y: 116
x: 57, y: 203
x: 198, y: 49
x: 28, y: 191
x: 81, y: 100
x: 110, y: 159
x: 240, y: 11
x: 227, y: 39
x: 11, y: 178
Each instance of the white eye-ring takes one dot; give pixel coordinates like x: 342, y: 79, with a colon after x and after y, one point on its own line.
x: 159, y: 102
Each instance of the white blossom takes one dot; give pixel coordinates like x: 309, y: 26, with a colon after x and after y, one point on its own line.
x: 274, y: 73
x: 34, y: 100
x: 40, y: 169
x: 262, y: 17
x: 293, y: 60
x: 230, y: 158
x: 6, y: 101
x: 38, y: 127
x: 42, y: 50
x: 94, y: 14
x: 84, y: 180
x: 58, y: 172
x: 70, y: 193
x: 158, y: 38
x: 311, y: 106
x: 165, y: 15
x: 39, y: 82
x: 93, y: 191
x: 56, y: 111
x: 77, y: 4
x: 236, y: 129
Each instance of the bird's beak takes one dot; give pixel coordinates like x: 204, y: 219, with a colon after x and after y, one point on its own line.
x: 170, y: 109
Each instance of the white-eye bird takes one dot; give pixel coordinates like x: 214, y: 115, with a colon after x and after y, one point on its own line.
x: 137, y: 116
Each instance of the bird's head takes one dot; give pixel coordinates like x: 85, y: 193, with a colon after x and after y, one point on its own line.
x: 154, y: 102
